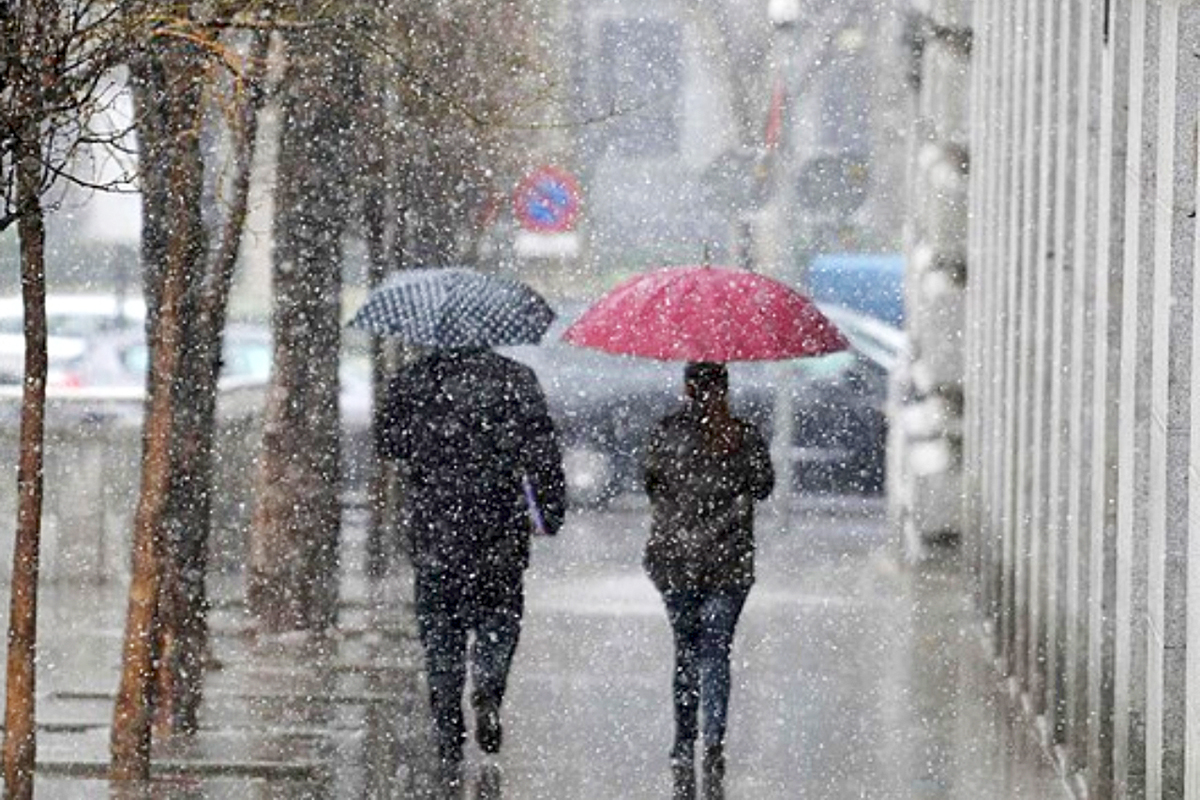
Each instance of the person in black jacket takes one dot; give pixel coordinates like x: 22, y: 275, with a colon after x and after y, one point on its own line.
x: 476, y: 444
x: 704, y: 468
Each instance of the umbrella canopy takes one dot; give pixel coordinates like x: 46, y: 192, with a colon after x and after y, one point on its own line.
x: 706, y: 314
x: 455, y: 308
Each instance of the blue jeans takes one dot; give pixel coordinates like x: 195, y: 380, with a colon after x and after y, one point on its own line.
x: 703, y: 624
x: 450, y: 607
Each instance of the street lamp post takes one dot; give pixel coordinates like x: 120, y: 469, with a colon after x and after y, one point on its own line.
x: 774, y: 249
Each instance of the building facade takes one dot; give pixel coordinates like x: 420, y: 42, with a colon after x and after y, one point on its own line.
x: 692, y: 122
x: 1080, y: 429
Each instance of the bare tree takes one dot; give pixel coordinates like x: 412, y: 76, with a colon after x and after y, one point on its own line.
x: 187, y: 283
x: 451, y: 95
x: 173, y: 244
x: 423, y: 152
x: 54, y: 56
x: 184, y: 601
x: 293, y: 569
x: 468, y: 75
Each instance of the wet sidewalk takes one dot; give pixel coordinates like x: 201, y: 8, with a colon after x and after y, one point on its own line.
x: 284, y: 716
x: 855, y: 677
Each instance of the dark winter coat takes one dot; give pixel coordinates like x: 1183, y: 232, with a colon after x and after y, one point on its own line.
x: 702, y: 505
x: 466, y: 426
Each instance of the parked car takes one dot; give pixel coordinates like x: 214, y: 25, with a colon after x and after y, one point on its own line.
x: 119, y: 357
x: 109, y: 368
x: 869, y: 283
x: 605, y: 405
x: 71, y: 321
x: 76, y: 315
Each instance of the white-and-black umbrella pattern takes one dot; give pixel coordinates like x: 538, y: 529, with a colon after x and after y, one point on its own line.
x: 455, y: 308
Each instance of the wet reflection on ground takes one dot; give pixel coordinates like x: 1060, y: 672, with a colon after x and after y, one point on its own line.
x: 854, y: 676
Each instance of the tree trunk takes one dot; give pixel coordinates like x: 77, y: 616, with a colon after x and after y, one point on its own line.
x: 179, y: 689
x: 25, y: 33
x: 20, y: 740
x: 293, y: 581
x: 167, y: 83
x: 383, y: 227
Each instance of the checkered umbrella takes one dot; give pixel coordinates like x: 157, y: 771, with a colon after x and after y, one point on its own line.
x: 455, y: 308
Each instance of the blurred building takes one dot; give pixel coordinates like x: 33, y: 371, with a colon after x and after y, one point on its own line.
x: 673, y: 106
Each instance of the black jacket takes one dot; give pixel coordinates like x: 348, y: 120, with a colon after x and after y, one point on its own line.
x: 702, y: 505
x: 466, y: 427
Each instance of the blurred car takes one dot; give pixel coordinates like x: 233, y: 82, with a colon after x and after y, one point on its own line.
x: 71, y: 321
x: 119, y: 359
x: 76, y: 315
x: 605, y: 406
x: 870, y: 283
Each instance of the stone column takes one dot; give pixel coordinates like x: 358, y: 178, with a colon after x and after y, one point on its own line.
x: 1025, y: 488
x: 1013, y: 579
x: 1041, y: 542
x: 1170, y: 403
x: 927, y: 474
x: 1079, y: 415
x: 1129, y: 663
x: 1112, y: 40
x: 981, y: 141
x: 1062, y: 248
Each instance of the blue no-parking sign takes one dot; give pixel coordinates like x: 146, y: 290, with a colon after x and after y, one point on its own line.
x: 547, y: 200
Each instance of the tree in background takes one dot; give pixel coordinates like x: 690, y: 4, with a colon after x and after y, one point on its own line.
x: 55, y: 56
x: 188, y: 270
x: 453, y: 92
x: 292, y: 582
x: 406, y: 110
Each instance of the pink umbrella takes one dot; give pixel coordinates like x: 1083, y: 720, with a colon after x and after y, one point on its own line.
x: 706, y: 313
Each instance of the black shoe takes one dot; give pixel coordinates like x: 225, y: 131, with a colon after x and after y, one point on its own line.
x: 448, y: 780
x: 683, y: 775
x: 714, y: 773
x: 490, y: 783
x: 488, y: 731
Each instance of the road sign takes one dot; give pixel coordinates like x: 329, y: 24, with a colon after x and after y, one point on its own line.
x: 547, y: 200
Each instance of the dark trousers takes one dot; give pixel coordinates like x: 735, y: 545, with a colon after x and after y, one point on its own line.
x: 703, y: 623
x: 450, y: 608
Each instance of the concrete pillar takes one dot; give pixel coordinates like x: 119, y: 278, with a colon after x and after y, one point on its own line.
x: 980, y: 144
x: 1042, y: 314
x: 1059, y: 455
x: 1129, y: 664
x: 1026, y: 487
x: 1005, y: 282
x: 1133, y: 480
x: 1014, y: 279
x: 985, y: 283
x: 1170, y: 430
x: 925, y: 475
x: 1112, y: 40
x: 1082, y: 267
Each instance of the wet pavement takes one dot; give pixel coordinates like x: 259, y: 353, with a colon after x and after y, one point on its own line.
x: 855, y: 676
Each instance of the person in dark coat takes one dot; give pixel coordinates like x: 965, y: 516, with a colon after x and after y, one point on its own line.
x: 703, y: 470
x: 472, y: 434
